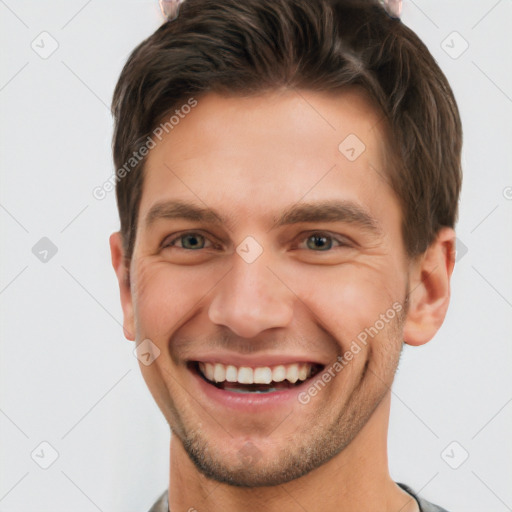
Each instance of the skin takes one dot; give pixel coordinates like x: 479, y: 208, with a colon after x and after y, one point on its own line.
x: 250, y: 159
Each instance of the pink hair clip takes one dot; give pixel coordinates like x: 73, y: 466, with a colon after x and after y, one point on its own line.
x: 170, y: 8
x: 393, y: 7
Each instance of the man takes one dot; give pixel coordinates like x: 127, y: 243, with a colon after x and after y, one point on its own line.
x: 288, y: 173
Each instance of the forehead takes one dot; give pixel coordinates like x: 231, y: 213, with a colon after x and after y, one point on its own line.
x: 254, y: 156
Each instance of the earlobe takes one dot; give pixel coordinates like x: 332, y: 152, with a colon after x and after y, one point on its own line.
x: 123, y: 278
x: 429, y: 292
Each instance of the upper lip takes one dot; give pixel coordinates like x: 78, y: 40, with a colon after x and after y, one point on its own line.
x: 255, y: 360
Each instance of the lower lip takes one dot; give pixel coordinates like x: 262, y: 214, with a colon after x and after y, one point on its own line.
x: 248, y: 402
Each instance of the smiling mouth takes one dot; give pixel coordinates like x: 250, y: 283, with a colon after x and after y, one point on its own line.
x: 264, y: 379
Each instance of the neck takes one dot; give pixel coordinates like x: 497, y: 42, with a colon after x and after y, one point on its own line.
x: 355, y: 479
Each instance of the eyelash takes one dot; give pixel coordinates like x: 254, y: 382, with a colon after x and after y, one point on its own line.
x: 325, y: 234
x: 183, y: 235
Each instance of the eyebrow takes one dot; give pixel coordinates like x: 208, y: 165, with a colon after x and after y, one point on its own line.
x: 320, y: 211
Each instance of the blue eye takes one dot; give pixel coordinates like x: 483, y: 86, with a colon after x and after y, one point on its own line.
x: 319, y: 242
x: 189, y: 241
x: 323, y: 243
x: 194, y: 241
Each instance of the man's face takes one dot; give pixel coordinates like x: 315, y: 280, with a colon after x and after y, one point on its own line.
x: 269, y: 281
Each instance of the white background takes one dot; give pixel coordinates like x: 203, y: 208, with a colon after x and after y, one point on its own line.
x: 68, y: 377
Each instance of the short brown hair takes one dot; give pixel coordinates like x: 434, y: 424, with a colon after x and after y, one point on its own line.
x: 253, y: 46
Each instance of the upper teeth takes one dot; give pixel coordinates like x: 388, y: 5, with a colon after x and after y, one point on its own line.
x: 219, y: 372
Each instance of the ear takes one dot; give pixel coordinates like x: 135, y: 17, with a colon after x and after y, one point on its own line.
x: 123, y: 276
x: 429, y: 292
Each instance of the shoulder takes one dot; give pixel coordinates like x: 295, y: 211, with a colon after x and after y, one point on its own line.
x: 161, y: 504
x: 425, y: 506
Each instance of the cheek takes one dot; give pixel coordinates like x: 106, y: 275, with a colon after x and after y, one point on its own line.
x: 165, y: 295
x: 348, y: 300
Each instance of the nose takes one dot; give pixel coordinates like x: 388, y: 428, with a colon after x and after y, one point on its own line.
x: 251, y: 298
